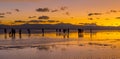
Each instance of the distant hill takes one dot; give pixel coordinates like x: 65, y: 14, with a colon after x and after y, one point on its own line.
x: 61, y: 26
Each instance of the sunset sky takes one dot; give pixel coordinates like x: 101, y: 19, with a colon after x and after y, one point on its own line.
x: 100, y: 12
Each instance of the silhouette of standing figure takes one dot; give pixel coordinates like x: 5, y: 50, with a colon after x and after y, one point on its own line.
x: 29, y: 32
x: 80, y: 30
x: 12, y: 33
x: 68, y: 32
x: 64, y: 30
x: 5, y: 32
x: 42, y: 32
x: 20, y: 33
x: 59, y: 30
x: 56, y: 30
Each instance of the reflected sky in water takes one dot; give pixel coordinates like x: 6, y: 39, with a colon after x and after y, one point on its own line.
x: 104, y: 44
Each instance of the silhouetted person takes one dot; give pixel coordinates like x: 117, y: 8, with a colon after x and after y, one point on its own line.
x: 56, y: 30
x: 42, y: 32
x: 29, y: 32
x: 91, y: 34
x: 64, y: 30
x: 5, y: 32
x: 90, y: 30
x: 20, y: 35
x: 80, y: 30
x: 12, y: 33
x: 59, y: 30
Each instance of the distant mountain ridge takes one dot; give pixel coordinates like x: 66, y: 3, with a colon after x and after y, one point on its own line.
x: 60, y: 26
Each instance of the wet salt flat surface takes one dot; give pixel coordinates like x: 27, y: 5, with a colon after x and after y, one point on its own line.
x: 96, y: 45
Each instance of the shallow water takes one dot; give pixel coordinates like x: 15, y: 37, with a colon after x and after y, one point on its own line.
x: 52, y: 45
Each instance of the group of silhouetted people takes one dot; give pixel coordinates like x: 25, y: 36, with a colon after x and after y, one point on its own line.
x: 63, y: 32
x: 12, y: 33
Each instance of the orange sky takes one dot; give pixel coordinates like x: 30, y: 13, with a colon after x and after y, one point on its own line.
x: 67, y: 11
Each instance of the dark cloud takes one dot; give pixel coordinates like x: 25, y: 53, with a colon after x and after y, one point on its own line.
x: 42, y: 10
x: 43, y: 17
x: 2, y: 16
x: 114, y: 11
x: 67, y: 13
x: 52, y: 21
x: 88, y: 24
x: 43, y: 21
x: 63, y: 8
x: 17, y: 10
x: 117, y: 17
x: 90, y: 18
x: 2, y: 13
x: 54, y: 10
x: 34, y: 21
x: 19, y: 21
x: 91, y: 14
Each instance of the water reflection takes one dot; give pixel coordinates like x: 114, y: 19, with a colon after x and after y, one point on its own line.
x: 92, y: 44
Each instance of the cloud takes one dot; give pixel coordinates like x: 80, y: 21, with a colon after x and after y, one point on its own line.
x: 91, y: 14
x: 42, y: 10
x: 52, y: 21
x: 88, y: 24
x: 114, y: 11
x: 67, y: 13
x: 17, y: 10
x: 43, y: 17
x: 43, y: 21
x: 54, y: 10
x: 63, y: 8
x: 19, y: 21
x: 34, y: 21
x: 90, y: 18
x: 2, y: 13
x: 2, y: 16
x: 117, y: 17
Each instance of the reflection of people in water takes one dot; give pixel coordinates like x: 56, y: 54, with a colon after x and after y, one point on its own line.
x: 5, y: 30
x: 80, y: 35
